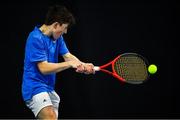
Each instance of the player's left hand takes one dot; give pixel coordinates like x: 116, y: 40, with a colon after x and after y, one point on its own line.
x: 89, y: 68
x: 86, y: 68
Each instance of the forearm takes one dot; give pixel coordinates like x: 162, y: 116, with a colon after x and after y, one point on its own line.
x: 48, y: 68
x: 86, y: 68
x: 69, y: 57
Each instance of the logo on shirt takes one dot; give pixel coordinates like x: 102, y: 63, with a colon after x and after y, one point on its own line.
x: 44, y: 100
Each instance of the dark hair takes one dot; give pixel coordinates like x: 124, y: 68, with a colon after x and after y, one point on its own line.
x: 60, y: 14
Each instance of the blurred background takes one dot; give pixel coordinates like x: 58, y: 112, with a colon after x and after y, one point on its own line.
x: 103, y: 30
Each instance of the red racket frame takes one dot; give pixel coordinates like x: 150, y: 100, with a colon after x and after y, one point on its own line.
x: 113, y: 73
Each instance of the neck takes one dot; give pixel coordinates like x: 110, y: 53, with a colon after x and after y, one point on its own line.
x: 46, y: 29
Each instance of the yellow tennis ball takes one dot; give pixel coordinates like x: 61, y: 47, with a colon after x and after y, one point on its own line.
x: 152, y: 69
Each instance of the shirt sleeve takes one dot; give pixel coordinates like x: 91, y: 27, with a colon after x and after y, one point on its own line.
x: 62, y: 46
x: 37, y: 50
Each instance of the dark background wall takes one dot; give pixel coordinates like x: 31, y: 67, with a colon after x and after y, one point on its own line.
x: 104, y: 30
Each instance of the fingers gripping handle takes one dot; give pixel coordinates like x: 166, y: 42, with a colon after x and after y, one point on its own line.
x: 96, y: 68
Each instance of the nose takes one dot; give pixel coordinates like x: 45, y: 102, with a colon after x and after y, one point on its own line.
x: 65, y: 31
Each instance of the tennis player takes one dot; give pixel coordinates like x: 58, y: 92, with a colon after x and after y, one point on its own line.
x: 43, y: 46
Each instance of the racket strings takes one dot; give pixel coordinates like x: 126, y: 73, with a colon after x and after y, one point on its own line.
x: 132, y: 68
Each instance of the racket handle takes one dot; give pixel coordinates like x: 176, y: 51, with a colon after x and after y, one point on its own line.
x: 96, y: 68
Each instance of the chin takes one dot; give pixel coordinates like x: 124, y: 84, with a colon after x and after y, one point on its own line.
x: 55, y: 38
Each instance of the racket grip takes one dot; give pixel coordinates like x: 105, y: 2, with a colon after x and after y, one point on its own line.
x: 96, y: 68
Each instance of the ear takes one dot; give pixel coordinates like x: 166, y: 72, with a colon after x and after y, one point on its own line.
x: 55, y: 24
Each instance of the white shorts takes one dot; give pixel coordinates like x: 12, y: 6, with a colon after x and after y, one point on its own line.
x: 42, y: 100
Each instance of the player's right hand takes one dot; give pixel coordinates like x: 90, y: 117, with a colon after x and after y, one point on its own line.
x: 75, y: 63
x: 80, y: 69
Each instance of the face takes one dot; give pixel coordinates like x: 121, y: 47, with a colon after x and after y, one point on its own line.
x: 58, y: 30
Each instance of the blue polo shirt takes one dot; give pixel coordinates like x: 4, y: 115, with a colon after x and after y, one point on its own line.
x: 40, y: 47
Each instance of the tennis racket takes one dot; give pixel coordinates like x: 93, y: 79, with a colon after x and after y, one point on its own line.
x: 128, y: 67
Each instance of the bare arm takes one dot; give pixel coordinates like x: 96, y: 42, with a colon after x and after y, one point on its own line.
x: 48, y: 68
x: 69, y: 57
x: 70, y: 62
x: 86, y: 68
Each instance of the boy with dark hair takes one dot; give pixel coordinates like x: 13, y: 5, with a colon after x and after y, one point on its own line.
x: 43, y: 46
